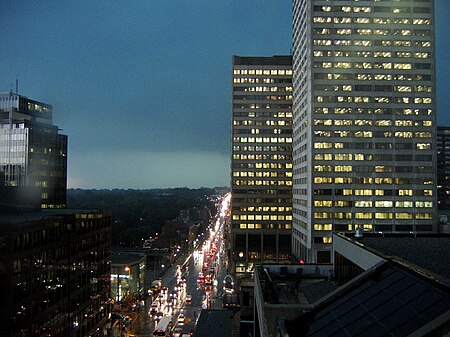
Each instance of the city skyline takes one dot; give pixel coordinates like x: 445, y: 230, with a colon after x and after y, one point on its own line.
x: 143, y: 92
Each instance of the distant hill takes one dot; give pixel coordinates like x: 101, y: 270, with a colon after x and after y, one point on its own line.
x: 139, y: 213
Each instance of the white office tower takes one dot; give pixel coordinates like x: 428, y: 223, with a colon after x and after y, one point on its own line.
x: 364, y: 120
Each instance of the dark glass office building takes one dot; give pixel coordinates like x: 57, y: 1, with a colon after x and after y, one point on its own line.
x: 32, y: 152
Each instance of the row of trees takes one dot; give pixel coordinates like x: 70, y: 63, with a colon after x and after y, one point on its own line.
x: 138, y: 214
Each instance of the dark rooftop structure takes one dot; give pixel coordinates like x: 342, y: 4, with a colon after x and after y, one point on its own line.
x: 17, y: 218
x: 217, y: 323
x: 387, y: 300
x: 261, y: 60
x: 122, y: 258
x: 284, y: 291
x: 426, y: 251
x: 295, y: 284
x: 380, y: 285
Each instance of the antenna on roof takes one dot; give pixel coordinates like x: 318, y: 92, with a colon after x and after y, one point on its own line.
x: 17, y: 85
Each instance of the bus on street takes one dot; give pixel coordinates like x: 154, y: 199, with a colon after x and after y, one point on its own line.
x: 163, y: 327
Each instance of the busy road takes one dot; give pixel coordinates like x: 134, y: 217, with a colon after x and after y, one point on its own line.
x: 195, y: 283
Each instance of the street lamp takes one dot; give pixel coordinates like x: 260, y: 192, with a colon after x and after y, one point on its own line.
x: 127, y: 269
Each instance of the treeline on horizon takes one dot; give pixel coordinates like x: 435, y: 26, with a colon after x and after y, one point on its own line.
x: 137, y: 214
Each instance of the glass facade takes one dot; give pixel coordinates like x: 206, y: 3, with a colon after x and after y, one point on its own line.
x: 127, y: 277
x: 443, y: 167
x: 364, y: 120
x: 32, y: 152
x: 261, y: 172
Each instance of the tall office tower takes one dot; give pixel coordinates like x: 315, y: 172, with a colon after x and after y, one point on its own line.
x: 443, y: 167
x: 32, y: 152
x: 55, y: 273
x: 261, y: 163
x: 364, y: 120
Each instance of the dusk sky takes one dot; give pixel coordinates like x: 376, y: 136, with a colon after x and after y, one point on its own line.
x: 143, y: 88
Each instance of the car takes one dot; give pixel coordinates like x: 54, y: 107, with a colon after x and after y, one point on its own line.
x: 158, y: 316
x: 228, y: 284
x: 177, y: 332
x: 181, y: 318
x: 188, y: 298
x: 208, y: 279
x: 173, y: 294
x: 153, y: 309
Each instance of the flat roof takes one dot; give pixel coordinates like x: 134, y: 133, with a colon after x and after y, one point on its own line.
x: 276, y: 60
x: 289, y: 286
x: 389, y: 300
x: 217, y: 323
x: 126, y: 258
x: 431, y: 252
x: 18, y: 218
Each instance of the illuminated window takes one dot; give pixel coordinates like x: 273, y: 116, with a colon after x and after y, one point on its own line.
x: 424, y: 204
x: 323, y: 215
x: 403, y: 204
x: 343, y: 180
x: 383, y: 216
x: 363, y: 203
x: 323, y: 180
x: 403, y: 66
x: 403, y: 216
x: 408, y: 193
x: 322, y: 168
x: 327, y: 239
x: 423, y: 216
x: 323, y: 203
x: 342, y: 168
x: 363, y: 215
x: 423, y: 146
x: 322, y: 145
x: 363, y: 192
x: 343, y: 156
x: 383, y: 203
x: 323, y: 227
x: 364, y: 134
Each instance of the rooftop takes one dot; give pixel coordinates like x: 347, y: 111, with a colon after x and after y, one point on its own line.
x: 275, y: 60
x: 295, y: 284
x: 217, y: 323
x: 40, y: 215
x: 126, y: 258
x: 426, y: 251
x: 388, y: 300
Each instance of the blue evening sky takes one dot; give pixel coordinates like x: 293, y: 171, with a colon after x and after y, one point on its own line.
x: 143, y: 88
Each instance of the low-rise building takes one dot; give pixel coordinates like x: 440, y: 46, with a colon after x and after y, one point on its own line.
x: 128, y: 276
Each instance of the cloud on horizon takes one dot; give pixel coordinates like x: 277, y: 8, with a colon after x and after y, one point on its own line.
x: 145, y: 170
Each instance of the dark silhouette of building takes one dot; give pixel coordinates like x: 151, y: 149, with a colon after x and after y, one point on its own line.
x: 55, y: 273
